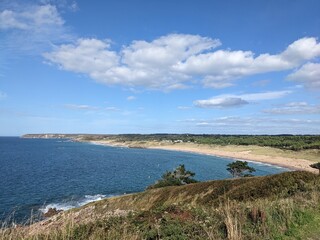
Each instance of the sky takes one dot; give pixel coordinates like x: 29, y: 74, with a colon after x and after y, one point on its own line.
x: 170, y: 66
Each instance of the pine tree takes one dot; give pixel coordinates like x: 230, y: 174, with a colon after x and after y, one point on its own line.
x: 240, y: 169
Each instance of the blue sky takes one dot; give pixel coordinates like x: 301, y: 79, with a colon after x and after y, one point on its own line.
x: 220, y: 67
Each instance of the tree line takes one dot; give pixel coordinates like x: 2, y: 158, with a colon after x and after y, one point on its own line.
x: 286, y: 142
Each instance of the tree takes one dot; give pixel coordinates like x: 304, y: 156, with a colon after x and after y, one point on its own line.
x: 240, y: 169
x: 316, y: 166
x: 180, y: 176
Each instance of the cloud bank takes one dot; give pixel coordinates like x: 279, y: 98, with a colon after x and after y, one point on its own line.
x: 254, y: 125
x: 295, y: 108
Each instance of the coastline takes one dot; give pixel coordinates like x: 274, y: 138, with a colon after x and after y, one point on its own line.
x: 234, y: 152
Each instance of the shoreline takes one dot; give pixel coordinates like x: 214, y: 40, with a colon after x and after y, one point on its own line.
x: 233, y: 152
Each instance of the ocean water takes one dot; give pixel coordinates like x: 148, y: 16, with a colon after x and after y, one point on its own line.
x: 36, y: 174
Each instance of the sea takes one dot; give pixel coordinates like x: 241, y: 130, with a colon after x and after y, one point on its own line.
x: 38, y: 174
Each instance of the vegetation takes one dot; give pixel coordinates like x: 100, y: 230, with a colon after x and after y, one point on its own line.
x: 282, y: 206
x: 240, y: 169
x: 180, y: 176
x: 286, y: 142
x: 316, y: 166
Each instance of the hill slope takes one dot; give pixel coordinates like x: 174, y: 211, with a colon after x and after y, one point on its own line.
x: 282, y: 206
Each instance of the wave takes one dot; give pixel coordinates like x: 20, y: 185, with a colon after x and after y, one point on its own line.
x: 74, y: 203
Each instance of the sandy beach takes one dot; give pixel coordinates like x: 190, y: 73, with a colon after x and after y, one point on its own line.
x: 250, y: 153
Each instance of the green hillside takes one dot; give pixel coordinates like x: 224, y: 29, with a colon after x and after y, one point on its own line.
x: 282, y: 206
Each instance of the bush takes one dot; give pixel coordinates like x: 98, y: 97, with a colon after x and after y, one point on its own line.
x: 180, y: 176
x: 240, y: 169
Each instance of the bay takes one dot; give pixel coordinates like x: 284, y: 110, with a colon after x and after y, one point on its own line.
x: 36, y: 174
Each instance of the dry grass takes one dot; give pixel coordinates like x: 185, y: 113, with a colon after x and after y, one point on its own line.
x: 233, y: 227
x: 312, y: 155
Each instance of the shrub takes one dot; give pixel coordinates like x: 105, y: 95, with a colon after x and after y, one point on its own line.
x: 240, y: 169
x: 180, y: 176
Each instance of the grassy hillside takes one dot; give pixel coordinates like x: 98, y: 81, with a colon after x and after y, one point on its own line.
x: 282, y: 206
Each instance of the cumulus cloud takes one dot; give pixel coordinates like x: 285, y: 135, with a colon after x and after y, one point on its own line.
x: 224, y: 101
x: 90, y: 56
x: 221, y: 67
x: 308, y: 74
x: 295, y: 108
x: 175, y: 61
x: 142, y: 63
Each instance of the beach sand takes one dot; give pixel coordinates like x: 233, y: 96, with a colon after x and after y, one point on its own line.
x: 250, y: 153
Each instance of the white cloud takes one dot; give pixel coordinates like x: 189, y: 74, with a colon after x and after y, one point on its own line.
x: 265, y: 95
x: 308, y: 74
x: 221, y: 68
x: 301, y: 50
x: 9, y: 20
x: 224, y: 101
x: 90, y: 56
x: 220, y: 102
x: 248, y: 121
x: 131, y: 98
x: 175, y: 61
x: 30, y: 29
x: 295, y: 108
x: 141, y: 64
x: 34, y: 17
x: 80, y: 107
x: 166, y: 50
x: 254, y: 125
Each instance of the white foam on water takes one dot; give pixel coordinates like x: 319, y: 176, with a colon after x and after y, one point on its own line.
x: 73, y: 203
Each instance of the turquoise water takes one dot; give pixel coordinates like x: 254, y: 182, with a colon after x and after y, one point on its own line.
x: 40, y: 173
